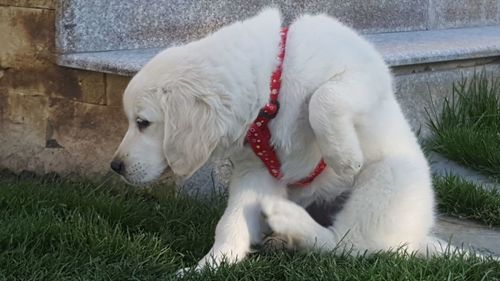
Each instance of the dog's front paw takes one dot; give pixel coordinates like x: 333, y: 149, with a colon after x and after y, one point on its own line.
x: 346, y: 167
x: 286, y: 219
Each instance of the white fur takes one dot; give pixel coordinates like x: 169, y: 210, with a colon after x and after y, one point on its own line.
x: 337, y: 102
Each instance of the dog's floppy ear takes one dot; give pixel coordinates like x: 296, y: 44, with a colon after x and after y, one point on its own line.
x: 192, y: 131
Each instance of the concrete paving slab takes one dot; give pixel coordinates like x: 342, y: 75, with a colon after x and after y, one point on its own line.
x: 442, y: 166
x: 468, y: 234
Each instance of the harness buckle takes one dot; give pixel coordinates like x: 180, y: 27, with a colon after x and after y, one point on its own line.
x: 270, y: 110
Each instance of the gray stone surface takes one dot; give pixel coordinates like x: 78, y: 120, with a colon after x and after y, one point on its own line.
x: 398, y: 49
x: 417, y: 92
x: 443, y: 166
x: 467, y: 235
x: 407, y: 48
x: 460, y: 13
x: 96, y: 25
x: 126, y: 62
x: 212, y: 178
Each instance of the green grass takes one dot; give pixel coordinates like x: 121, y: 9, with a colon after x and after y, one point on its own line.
x: 461, y: 198
x: 467, y: 129
x: 57, y: 230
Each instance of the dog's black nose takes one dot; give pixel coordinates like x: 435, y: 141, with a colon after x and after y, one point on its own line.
x: 118, y: 166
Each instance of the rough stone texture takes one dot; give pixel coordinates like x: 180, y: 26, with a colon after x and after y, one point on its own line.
x: 459, y: 13
x: 26, y: 59
x: 466, y: 235
x: 95, y: 25
x: 52, y: 119
x: 126, y: 62
x: 57, y: 135
x: 416, y: 92
x: 89, y: 133
x: 405, y: 48
x: 46, y: 4
x: 23, y: 41
x: 115, y: 86
x: 408, y: 48
x: 22, y: 124
x: 53, y: 81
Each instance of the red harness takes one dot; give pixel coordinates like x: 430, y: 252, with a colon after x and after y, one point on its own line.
x: 259, y: 135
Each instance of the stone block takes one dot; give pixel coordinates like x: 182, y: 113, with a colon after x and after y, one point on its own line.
x: 115, y: 86
x: 58, y: 135
x: 83, y: 86
x: 461, y: 13
x: 24, y: 116
x: 54, y: 81
x: 95, y: 25
x: 89, y: 133
x: 44, y: 4
x: 26, y: 59
x: 22, y: 129
x: 27, y: 37
x: 417, y: 92
x: 370, y: 16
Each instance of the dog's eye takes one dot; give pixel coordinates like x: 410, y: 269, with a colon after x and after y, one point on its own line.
x: 142, y: 124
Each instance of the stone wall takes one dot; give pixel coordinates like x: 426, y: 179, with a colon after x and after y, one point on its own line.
x: 55, y: 119
x: 52, y: 119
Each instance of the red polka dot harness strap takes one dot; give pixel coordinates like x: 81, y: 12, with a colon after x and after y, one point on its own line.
x: 259, y: 135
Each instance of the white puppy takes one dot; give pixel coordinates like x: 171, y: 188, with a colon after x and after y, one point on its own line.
x: 195, y: 102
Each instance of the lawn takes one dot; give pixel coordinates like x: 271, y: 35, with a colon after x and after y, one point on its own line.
x: 463, y: 199
x: 467, y: 127
x: 60, y: 230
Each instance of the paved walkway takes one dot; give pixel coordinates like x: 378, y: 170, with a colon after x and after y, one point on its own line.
x: 468, y: 234
x: 462, y: 232
x: 443, y: 166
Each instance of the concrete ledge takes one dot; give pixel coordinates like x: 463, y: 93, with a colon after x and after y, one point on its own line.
x: 419, y: 47
x: 117, y: 62
x: 398, y: 49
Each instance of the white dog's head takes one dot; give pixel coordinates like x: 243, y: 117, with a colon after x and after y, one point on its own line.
x: 177, y: 116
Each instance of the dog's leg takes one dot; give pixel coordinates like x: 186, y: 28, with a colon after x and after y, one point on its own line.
x: 241, y: 223
x: 290, y: 220
x: 331, y: 112
x: 391, y: 206
x: 385, y: 211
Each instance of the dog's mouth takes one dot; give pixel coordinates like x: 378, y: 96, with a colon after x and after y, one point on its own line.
x: 134, y: 183
x: 139, y: 182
